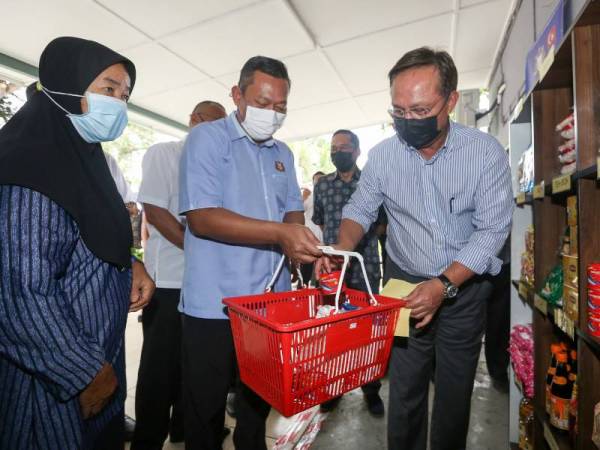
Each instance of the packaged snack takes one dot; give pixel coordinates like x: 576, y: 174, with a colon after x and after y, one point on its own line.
x: 553, y: 286
x: 329, y: 282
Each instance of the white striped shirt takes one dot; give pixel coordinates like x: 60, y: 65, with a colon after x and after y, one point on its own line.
x: 455, y: 207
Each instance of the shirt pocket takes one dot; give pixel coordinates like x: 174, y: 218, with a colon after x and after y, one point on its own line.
x: 461, y: 209
x: 280, y: 186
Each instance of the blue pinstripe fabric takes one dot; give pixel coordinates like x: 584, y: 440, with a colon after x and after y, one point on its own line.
x: 455, y: 207
x: 62, y: 314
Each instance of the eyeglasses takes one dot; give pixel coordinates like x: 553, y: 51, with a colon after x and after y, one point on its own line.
x: 418, y: 112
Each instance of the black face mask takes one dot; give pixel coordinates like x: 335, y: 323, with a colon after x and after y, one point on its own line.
x: 343, y: 161
x: 417, y: 133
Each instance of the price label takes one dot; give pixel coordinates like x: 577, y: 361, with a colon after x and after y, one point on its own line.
x: 523, y: 290
x: 559, y: 318
x: 539, y: 191
x: 561, y: 184
x: 541, y: 304
x: 545, y: 65
x: 521, y: 198
x: 550, y: 438
x: 569, y: 327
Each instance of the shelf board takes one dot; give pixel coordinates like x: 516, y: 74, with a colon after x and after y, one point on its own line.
x: 526, y: 199
x: 525, y: 291
x: 588, y: 173
x: 592, y: 341
x: 554, y: 438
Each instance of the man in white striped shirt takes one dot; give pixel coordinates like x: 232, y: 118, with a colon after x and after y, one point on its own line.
x: 447, y: 193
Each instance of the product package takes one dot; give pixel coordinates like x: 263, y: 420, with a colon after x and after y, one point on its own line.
x: 521, y: 356
x: 567, y: 151
x: 594, y: 299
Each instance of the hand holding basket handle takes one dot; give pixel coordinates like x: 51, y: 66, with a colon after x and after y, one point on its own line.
x: 327, y: 250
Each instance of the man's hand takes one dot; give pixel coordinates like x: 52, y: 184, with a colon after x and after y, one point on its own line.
x: 142, y: 287
x: 298, y: 243
x: 425, y: 300
x: 98, y: 393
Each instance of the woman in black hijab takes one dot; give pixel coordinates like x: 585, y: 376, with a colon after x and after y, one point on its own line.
x: 65, y: 267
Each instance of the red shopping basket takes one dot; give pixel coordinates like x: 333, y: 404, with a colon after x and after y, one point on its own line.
x: 294, y: 360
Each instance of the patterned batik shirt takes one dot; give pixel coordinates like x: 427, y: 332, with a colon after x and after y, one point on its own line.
x: 330, y: 196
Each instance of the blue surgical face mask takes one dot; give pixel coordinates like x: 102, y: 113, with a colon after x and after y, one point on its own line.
x: 105, y: 120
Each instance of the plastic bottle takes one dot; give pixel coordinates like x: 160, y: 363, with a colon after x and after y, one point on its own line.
x: 573, y: 402
x: 525, y: 413
x: 554, y: 349
x: 560, y: 393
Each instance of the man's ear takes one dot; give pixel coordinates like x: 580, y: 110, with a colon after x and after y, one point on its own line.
x: 236, y: 95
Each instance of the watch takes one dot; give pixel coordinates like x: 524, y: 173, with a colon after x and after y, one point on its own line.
x: 450, y: 290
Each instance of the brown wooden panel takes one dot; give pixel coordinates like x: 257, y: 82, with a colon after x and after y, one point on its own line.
x: 560, y: 73
x: 591, y: 15
x: 588, y: 393
x: 586, y: 48
x: 549, y: 222
x: 550, y: 107
x: 544, y: 336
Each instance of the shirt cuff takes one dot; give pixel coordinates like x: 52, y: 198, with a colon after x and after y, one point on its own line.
x: 156, y: 201
x: 478, y: 261
x: 355, y: 216
x: 203, y: 203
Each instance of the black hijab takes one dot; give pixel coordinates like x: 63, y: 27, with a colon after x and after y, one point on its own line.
x: 41, y: 150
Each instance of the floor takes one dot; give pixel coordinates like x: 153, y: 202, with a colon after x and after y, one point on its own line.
x: 350, y: 426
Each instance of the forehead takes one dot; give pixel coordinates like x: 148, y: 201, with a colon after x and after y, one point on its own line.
x: 268, y: 85
x: 419, y: 83
x: 341, y: 139
x: 116, y: 72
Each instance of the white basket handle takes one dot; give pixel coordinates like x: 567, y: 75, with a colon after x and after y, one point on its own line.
x: 327, y: 250
x: 271, y: 282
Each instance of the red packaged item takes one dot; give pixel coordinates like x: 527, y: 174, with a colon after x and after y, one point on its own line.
x: 329, y: 282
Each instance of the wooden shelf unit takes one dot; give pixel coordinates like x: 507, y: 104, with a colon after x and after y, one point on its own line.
x: 573, y: 81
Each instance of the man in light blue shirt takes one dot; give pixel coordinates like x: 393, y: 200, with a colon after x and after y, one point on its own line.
x: 239, y: 192
x: 447, y: 193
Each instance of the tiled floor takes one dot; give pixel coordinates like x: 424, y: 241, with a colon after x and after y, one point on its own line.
x: 350, y: 426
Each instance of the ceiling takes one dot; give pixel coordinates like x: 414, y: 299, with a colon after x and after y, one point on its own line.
x: 338, y: 52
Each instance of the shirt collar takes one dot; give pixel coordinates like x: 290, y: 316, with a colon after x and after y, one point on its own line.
x: 236, y: 131
x: 355, y: 175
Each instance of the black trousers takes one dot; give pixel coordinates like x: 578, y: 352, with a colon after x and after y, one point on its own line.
x: 159, y: 382
x: 112, y: 437
x: 454, y: 338
x: 209, y: 367
x: 497, y: 329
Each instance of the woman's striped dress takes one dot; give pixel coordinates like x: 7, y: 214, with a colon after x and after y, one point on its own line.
x: 62, y: 314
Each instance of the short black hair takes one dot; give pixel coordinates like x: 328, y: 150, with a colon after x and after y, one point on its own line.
x: 353, y: 137
x: 263, y: 64
x: 426, y: 56
x: 208, y: 103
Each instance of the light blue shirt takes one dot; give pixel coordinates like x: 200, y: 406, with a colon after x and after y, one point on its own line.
x: 455, y: 207
x: 221, y: 167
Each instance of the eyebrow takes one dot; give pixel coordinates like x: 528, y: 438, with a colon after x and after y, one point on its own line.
x: 114, y: 82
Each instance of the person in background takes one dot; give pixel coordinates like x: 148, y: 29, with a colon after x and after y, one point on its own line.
x: 158, y: 403
x: 497, y: 325
x: 446, y: 189
x: 67, y: 276
x: 240, y: 195
x: 308, y: 201
x: 332, y: 192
